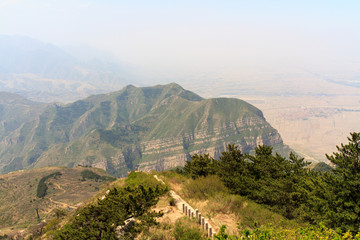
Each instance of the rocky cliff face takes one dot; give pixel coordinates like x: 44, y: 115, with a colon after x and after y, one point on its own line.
x: 167, y: 153
x: 154, y: 128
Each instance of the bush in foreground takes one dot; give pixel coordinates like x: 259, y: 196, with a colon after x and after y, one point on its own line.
x: 99, y: 220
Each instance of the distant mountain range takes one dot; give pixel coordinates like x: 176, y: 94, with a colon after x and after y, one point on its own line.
x: 147, y: 128
x: 48, y: 73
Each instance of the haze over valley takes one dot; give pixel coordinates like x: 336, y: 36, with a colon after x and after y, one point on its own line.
x: 119, y: 118
x: 303, y: 106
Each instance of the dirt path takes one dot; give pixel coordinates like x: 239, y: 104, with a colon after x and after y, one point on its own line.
x: 179, y: 204
x: 64, y: 205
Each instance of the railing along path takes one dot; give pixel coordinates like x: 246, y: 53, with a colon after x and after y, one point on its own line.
x: 190, y: 212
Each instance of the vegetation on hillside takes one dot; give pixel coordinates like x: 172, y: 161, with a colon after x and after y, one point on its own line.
x: 335, y: 196
x: 87, y: 174
x: 132, y: 126
x: 42, y: 187
x: 101, y: 219
x: 267, y: 195
x: 322, y: 167
x: 285, y: 186
x: 310, y: 232
x: 19, y: 201
x: 244, y: 218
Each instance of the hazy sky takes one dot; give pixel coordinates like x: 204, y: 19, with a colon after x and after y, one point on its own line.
x: 202, y: 36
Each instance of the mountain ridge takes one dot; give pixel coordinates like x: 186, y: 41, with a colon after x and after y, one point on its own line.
x: 148, y: 128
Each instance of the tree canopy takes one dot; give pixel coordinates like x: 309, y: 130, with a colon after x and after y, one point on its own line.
x: 286, y: 184
x: 340, y: 196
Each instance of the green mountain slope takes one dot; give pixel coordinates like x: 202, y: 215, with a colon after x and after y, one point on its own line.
x: 149, y: 128
x: 15, y: 111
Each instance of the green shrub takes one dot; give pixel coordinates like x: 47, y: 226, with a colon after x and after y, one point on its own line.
x: 187, y: 229
x: 99, y: 220
x: 52, y: 225
x: 174, y: 177
x: 204, y: 187
x: 226, y: 203
x: 319, y: 232
x: 146, y: 180
x: 200, y: 166
x: 59, y: 213
x: 42, y: 187
x: 87, y: 174
x: 159, y: 232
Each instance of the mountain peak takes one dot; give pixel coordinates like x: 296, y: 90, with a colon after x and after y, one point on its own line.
x: 155, y: 127
x: 130, y: 86
x: 159, y: 92
x: 174, y: 85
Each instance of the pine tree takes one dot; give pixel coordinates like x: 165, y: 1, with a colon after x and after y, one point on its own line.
x: 200, y: 166
x: 346, y: 185
x: 234, y: 171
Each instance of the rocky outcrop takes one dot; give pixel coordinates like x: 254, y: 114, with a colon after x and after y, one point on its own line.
x: 162, y: 154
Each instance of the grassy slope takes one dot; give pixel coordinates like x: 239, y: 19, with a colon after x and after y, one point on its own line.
x: 18, y: 198
x: 243, y: 218
x: 215, y: 202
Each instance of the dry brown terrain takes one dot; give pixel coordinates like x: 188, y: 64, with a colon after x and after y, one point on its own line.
x: 18, y: 198
x: 312, y: 126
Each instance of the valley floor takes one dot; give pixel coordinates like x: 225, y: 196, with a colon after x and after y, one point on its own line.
x: 312, y: 126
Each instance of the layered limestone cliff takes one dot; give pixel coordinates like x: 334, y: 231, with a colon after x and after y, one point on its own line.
x: 162, y: 154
